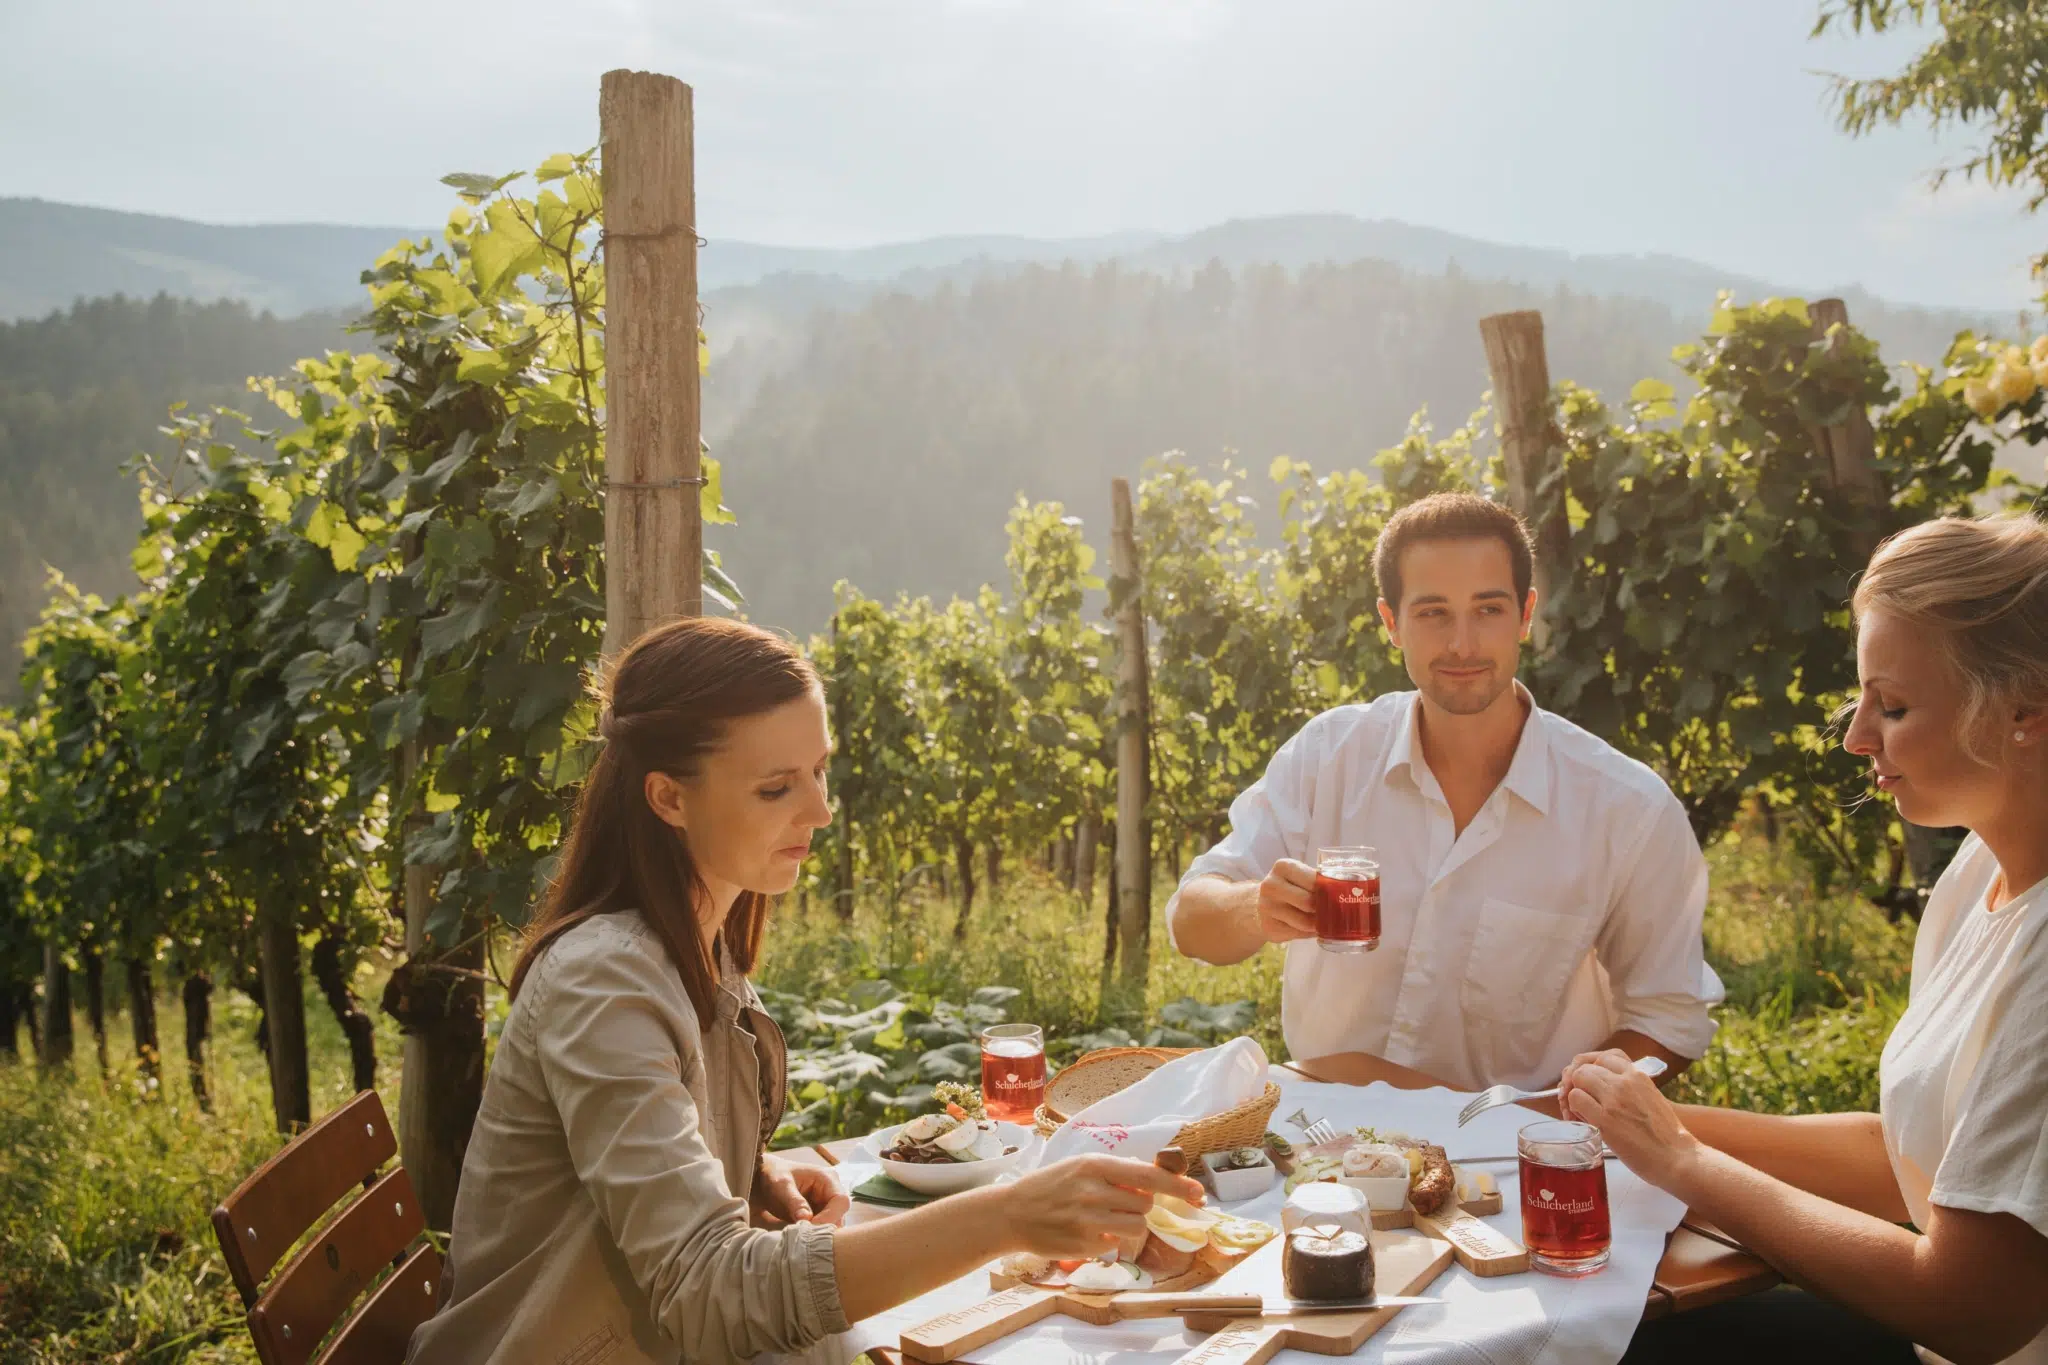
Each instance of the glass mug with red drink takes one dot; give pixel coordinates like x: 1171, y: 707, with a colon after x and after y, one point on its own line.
x: 1565, y: 1222
x: 1347, y: 900
x: 1012, y: 1071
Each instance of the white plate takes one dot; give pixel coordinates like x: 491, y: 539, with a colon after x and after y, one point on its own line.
x: 953, y: 1176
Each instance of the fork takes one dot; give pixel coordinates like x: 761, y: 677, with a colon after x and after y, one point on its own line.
x: 1496, y: 1095
x: 1318, y: 1131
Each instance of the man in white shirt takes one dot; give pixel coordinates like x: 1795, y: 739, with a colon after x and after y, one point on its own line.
x: 1540, y: 893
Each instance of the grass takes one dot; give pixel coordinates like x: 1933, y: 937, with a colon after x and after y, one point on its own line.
x: 105, y: 1185
x: 106, y: 1182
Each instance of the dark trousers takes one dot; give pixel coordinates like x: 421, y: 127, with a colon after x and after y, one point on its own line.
x: 1783, y: 1324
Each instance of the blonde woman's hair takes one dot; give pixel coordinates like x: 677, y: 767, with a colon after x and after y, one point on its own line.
x: 1978, y: 587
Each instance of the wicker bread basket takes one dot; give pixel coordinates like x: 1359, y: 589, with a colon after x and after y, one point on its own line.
x: 1095, y: 1075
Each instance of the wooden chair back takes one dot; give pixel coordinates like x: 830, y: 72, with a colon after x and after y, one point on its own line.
x: 285, y: 1198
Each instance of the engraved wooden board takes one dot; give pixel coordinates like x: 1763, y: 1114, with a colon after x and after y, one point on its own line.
x: 1020, y: 1303
x: 1405, y: 1262
x: 1480, y: 1247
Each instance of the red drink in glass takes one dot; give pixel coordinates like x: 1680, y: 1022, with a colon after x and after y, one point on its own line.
x: 1012, y: 1071
x: 1347, y: 900
x: 1565, y: 1221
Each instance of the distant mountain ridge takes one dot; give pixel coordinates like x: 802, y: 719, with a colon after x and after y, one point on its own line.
x: 51, y: 254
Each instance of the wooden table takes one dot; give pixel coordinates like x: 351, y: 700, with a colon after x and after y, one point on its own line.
x: 1702, y: 1265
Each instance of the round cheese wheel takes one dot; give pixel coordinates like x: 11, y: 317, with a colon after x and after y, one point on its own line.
x: 1326, y: 1202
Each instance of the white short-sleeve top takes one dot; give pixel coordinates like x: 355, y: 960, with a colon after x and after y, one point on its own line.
x: 1964, y: 1076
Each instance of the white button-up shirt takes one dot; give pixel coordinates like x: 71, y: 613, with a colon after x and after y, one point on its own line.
x: 1569, y: 908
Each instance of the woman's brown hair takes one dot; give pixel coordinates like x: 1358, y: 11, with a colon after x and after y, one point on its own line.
x: 666, y: 705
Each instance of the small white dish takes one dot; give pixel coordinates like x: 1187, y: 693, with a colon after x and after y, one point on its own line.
x: 1237, y: 1183
x: 950, y: 1177
x: 1383, y: 1193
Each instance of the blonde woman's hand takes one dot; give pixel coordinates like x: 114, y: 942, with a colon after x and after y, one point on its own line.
x: 1084, y: 1205
x: 1638, y: 1123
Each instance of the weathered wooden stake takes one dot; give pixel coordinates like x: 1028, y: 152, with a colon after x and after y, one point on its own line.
x: 653, y: 523
x: 1849, y: 449
x: 57, y: 1033
x: 1521, y: 398
x: 1133, y: 741
x: 284, y: 1015
x: 1084, y: 856
x: 1848, y: 452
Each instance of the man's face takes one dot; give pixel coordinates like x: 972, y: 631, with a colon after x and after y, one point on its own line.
x: 1458, y: 624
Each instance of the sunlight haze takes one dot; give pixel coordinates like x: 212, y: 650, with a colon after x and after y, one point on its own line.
x: 1703, y: 131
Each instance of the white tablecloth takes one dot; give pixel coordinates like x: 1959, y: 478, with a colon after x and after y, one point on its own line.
x: 1532, y: 1319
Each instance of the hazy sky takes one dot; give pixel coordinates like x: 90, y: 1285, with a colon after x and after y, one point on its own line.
x: 1698, y: 129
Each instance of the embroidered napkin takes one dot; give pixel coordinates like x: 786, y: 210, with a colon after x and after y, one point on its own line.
x: 1140, y: 1119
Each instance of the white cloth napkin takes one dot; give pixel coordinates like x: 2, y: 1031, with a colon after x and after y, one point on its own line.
x: 1140, y: 1119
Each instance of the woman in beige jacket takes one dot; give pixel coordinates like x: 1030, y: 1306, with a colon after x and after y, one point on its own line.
x: 618, y: 1205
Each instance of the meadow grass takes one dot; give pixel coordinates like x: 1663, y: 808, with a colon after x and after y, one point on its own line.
x: 105, y: 1184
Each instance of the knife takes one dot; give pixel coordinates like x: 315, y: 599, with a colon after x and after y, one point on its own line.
x: 1239, y: 1305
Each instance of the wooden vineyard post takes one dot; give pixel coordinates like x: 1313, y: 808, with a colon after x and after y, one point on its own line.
x: 1133, y: 868
x: 841, y: 772
x: 1085, y: 837
x: 653, y: 527
x: 284, y: 1013
x: 57, y: 1035
x: 1848, y: 449
x: 1847, y: 452
x: 1521, y: 396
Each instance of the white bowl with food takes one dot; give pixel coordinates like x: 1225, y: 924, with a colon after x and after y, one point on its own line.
x: 1380, y: 1171
x: 941, y: 1154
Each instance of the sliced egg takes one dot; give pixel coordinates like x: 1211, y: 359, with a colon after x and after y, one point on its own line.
x: 958, y: 1141
x: 925, y: 1127
x: 1102, y: 1277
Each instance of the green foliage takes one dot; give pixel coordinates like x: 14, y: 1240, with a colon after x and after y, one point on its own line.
x: 78, y: 787
x: 247, y: 774
x: 81, y: 391
x: 1985, y: 67
x: 1774, y: 1062
x: 1229, y: 680
x: 1704, y: 627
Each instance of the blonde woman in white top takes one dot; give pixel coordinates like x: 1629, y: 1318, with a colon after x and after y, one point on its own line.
x: 1952, y: 653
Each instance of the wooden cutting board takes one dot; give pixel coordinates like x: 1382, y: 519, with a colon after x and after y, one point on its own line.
x: 1019, y: 1303
x: 953, y: 1335
x: 1406, y: 1263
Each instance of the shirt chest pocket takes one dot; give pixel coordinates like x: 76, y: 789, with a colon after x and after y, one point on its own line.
x: 1522, y: 959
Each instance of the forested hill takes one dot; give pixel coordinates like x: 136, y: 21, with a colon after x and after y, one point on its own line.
x: 52, y: 254
x: 888, y: 447
x: 880, y: 434
x: 80, y: 393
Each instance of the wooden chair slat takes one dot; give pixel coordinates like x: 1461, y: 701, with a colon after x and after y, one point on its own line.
x: 383, y: 1326
x: 309, y: 1295
x: 289, y: 1193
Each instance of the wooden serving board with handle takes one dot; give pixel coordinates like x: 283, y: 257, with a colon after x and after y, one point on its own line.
x: 953, y: 1335
x: 1479, y: 1246
x: 1405, y: 1263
